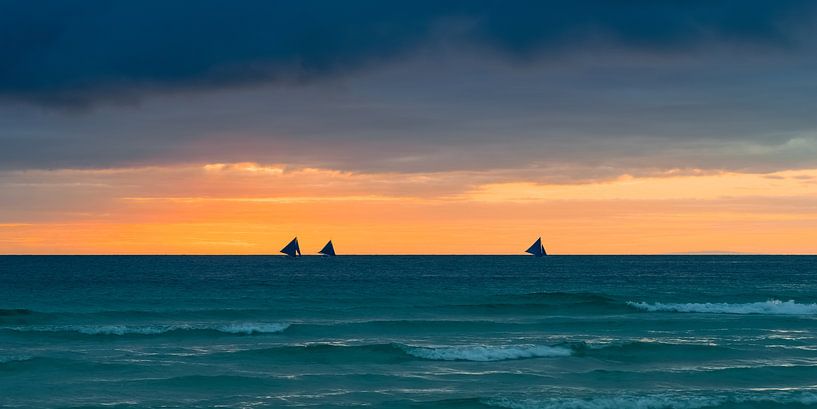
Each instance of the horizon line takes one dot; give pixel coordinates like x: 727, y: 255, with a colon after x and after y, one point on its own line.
x: 397, y: 255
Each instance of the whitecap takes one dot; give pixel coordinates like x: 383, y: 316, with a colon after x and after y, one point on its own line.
x: 484, y: 353
x: 774, y: 307
x: 252, y: 328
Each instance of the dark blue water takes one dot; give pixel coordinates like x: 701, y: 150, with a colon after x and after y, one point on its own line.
x: 409, y: 331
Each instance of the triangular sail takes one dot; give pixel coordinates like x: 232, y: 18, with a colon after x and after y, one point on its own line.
x: 537, y: 249
x: 328, y: 249
x: 292, y: 249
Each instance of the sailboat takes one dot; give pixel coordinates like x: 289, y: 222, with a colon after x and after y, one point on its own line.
x: 292, y: 249
x: 328, y: 250
x: 537, y: 249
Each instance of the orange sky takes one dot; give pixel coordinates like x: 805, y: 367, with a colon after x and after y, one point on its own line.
x: 248, y: 208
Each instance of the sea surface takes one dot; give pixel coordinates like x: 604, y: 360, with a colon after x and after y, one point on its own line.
x: 568, y: 332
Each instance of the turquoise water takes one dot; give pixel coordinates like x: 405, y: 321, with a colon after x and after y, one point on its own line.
x: 409, y: 332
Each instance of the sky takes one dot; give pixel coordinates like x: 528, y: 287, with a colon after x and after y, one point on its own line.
x: 422, y: 127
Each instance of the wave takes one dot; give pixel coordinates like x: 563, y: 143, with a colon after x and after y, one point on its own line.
x: 197, y: 382
x: 321, y: 354
x: 251, y: 328
x: 771, y: 307
x: 534, y: 308
x: 665, y: 401
x: 485, y: 353
x: 617, y: 402
x: 228, y: 328
x: 551, y: 301
x: 385, y: 327
x: 453, y: 403
x: 648, y: 351
x: 391, y: 353
x: 13, y: 312
x: 224, y: 314
x: 15, y: 364
x: 14, y: 358
x: 396, y: 353
x: 565, y: 297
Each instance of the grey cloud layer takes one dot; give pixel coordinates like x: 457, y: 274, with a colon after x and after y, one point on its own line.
x: 568, y: 91
x: 456, y: 113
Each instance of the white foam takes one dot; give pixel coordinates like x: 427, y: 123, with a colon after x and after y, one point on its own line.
x: 252, y: 328
x: 775, y: 307
x: 486, y: 353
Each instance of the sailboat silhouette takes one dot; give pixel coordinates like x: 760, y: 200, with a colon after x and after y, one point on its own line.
x: 292, y: 249
x: 328, y: 250
x: 537, y: 249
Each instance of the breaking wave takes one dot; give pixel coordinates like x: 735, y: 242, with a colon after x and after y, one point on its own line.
x: 485, y: 353
x: 390, y: 353
x: 397, y: 353
x: 251, y: 328
x: 772, y: 307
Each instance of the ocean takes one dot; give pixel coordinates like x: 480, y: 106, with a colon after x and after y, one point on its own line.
x: 568, y: 332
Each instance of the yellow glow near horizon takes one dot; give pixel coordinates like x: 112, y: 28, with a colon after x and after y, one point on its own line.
x: 249, y: 208
x: 708, y: 186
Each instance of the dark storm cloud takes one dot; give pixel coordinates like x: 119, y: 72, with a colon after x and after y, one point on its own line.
x: 582, y: 118
x: 77, y: 52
